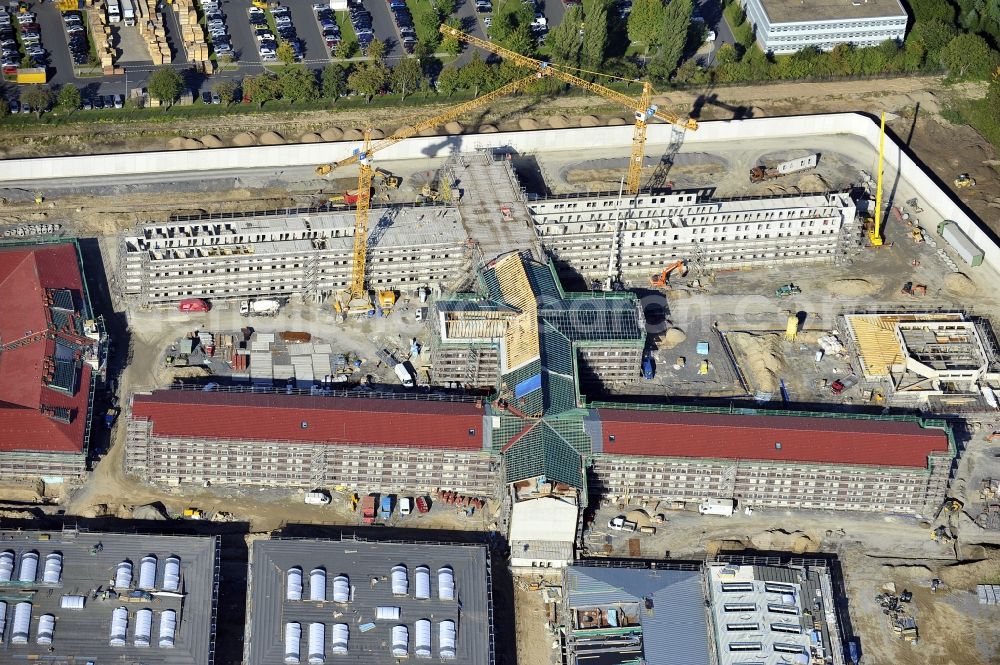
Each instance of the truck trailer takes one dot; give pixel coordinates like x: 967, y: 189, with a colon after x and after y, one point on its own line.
x: 403, y: 374
x: 128, y: 11
x: 724, y: 507
x: 960, y: 242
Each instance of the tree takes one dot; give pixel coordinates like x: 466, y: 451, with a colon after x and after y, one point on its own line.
x: 475, y: 74
x: 4, y: 107
x: 298, y: 84
x: 449, y: 80
x: 992, y: 96
x: 285, y: 53
x: 38, y: 97
x: 726, y: 55
x: 345, y: 50
x: 563, y: 41
x: 968, y: 56
x: 934, y: 34
x: 369, y: 79
x: 444, y: 8
x: 406, y: 76
x: 69, y: 98
x: 645, y: 22
x: 376, y: 49
x: 226, y: 90
x: 595, y: 38
x: 333, y: 82
x: 673, y: 37
x: 165, y: 85
x: 261, y: 88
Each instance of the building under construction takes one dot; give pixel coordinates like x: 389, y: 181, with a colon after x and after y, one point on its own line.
x: 308, y: 253
x: 536, y: 435
x: 52, y: 351
x: 521, y: 313
x: 304, y: 254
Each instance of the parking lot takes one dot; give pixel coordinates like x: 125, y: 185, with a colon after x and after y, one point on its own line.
x: 233, y: 35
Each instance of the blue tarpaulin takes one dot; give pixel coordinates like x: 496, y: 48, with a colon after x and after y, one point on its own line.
x: 528, y: 385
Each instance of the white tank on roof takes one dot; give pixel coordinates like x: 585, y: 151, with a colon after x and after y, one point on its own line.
x: 422, y: 583
x: 123, y: 575
x: 172, y: 574
x: 400, y: 641
x: 29, y: 567
x: 317, y: 584
x: 446, y: 583
x: 143, y: 627
x: 22, y: 623
x: 400, y: 581
x: 119, y: 627
x: 341, y: 635
x: 293, y: 639
x: 446, y: 639
x: 53, y: 569
x: 341, y: 589
x: 317, y: 643
x: 168, y: 626
x: 422, y: 638
x: 46, y: 629
x: 6, y: 566
x: 293, y: 584
x: 147, y: 573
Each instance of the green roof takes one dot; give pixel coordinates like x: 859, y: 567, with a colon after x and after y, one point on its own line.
x: 541, y: 451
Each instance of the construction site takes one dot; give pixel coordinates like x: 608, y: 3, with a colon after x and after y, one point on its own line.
x: 676, y: 339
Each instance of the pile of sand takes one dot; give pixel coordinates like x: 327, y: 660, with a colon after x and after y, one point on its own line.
x: 488, y: 129
x: 353, y: 135
x: 193, y: 144
x: 779, y: 540
x: 311, y: 137
x: 968, y: 575
x: 813, y: 183
x: 852, y: 287
x: 673, y: 337
x: 245, y: 139
x: 760, y: 357
x: 527, y: 124
x: 272, y: 138
x: 959, y: 284
x: 616, y: 122
x: 212, y: 141
x: 176, y: 143
x: 429, y: 131
x: 377, y: 134
x: 589, y: 121
x: 454, y: 128
x: 150, y: 511
x: 558, y: 122
x: 332, y: 134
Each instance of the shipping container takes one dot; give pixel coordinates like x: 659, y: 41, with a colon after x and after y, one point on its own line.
x: 32, y: 75
x: 960, y: 242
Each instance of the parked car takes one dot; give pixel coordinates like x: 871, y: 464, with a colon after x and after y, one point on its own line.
x: 15, y: 106
x: 119, y: 101
x: 216, y: 99
x: 423, y: 504
x: 621, y: 524
x: 405, y: 506
x: 87, y: 104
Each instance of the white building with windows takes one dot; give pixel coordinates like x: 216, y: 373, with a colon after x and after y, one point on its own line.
x: 787, y: 26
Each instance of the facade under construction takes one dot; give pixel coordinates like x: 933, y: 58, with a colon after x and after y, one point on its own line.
x: 305, y: 254
x: 595, y: 236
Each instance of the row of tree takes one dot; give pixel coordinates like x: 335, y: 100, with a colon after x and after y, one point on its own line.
x: 932, y: 45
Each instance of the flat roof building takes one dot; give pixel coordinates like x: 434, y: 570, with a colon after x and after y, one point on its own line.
x: 787, y: 26
x: 619, y: 615
x: 370, y: 603
x: 76, y: 597
x: 767, y: 611
x: 51, y: 351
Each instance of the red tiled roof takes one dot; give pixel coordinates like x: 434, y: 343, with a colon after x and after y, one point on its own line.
x: 25, y: 274
x: 358, y: 421
x: 816, y: 440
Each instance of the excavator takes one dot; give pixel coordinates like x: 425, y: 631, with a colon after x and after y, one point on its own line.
x: 661, y: 281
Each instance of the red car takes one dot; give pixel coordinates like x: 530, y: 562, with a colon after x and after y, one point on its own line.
x: 423, y: 504
x: 194, y: 305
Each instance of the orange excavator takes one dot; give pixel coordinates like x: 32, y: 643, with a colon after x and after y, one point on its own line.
x: 660, y: 281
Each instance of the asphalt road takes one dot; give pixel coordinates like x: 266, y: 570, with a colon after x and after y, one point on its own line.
x: 384, y: 28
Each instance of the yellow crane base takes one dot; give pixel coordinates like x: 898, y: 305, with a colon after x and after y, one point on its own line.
x: 875, y: 239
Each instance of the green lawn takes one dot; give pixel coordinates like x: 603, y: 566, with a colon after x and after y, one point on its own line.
x: 420, y: 8
x: 977, y: 114
x: 742, y: 32
x: 347, y: 35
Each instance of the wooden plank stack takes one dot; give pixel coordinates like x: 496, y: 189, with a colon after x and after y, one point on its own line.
x: 100, y: 30
x: 192, y: 32
x: 150, y: 23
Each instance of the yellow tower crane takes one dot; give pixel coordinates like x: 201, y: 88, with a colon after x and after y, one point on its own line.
x: 355, y: 299
x: 875, y: 228
x: 643, y: 107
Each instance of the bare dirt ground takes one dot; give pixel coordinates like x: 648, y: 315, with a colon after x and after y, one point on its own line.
x: 534, y: 640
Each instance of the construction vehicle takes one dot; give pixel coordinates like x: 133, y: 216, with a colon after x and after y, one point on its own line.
x: 840, y: 385
x: 913, y: 290
x: 109, y: 418
x: 964, y: 181
x: 428, y: 193
x: 643, y: 107
x: 193, y: 514
x: 661, y: 281
x: 874, y: 223
x: 993, y: 436
x: 943, y: 534
x: 648, y: 370
x: 259, y: 307
x: 391, y: 181
x: 761, y: 173
x: 787, y: 290
x: 949, y: 505
x: 386, y: 301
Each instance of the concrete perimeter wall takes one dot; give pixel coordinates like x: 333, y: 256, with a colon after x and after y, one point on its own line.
x: 285, y: 156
